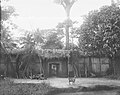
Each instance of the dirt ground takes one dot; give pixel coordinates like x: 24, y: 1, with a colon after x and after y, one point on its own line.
x: 85, y: 82
x: 63, y: 82
x: 92, y: 93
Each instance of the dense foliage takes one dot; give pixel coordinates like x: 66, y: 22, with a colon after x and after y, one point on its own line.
x: 7, y: 26
x: 100, y: 32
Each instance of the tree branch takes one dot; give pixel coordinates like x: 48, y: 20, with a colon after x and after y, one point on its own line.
x: 3, y: 47
x: 73, y: 1
x: 62, y: 3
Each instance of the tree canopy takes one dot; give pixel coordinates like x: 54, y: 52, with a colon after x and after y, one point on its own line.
x: 7, y: 26
x: 100, y: 32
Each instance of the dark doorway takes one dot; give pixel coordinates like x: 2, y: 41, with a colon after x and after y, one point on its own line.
x: 54, y: 69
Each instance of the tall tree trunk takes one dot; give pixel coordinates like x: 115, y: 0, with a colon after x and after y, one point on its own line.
x: 7, y: 69
x: 79, y: 70
x: 68, y: 62
x: 90, y: 65
x: 6, y: 65
x: 17, y: 68
x: 12, y: 66
x: 111, y: 66
x: 100, y: 65
x: 67, y: 9
x: 113, y: 63
x: 13, y: 69
x: 67, y: 37
x: 85, y: 67
x: 41, y: 66
x: 24, y: 71
x: 17, y: 65
x: 76, y: 70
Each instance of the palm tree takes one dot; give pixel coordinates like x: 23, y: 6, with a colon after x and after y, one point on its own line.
x: 67, y: 4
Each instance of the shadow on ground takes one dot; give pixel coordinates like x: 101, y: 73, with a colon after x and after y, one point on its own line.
x: 57, y: 91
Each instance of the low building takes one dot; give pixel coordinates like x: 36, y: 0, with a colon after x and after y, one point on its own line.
x: 55, y: 63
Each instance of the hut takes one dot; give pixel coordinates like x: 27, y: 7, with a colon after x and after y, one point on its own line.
x: 53, y: 63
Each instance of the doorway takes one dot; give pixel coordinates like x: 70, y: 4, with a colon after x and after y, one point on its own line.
x: 54, y: 69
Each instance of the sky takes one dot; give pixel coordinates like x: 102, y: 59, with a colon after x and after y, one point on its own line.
x: 45, y: 14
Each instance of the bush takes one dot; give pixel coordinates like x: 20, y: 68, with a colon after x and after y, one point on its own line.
x: 9, y: 88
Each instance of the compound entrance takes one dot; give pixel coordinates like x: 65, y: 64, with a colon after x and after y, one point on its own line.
x: 54, y: 69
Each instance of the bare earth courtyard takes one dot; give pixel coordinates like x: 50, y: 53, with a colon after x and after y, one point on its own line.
x: 63, y: 82
x: 84, y: 82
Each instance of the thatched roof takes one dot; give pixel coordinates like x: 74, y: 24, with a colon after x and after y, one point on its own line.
x: 53, y: 53
x: 47, y: 53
